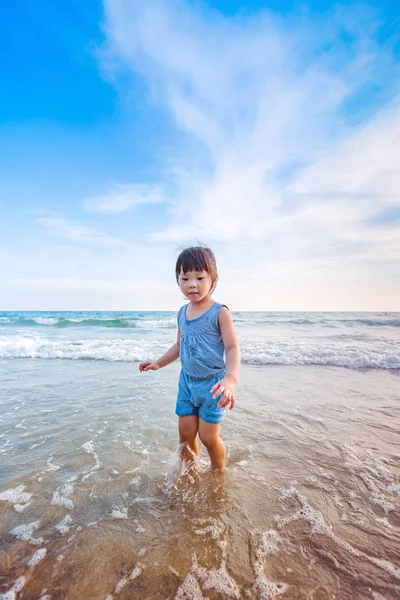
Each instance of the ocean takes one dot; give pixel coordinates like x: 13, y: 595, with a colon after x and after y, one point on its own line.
x: 94, y: 502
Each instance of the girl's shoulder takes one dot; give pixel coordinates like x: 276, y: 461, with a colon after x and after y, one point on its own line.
x: 214, y: 312
x: 219, y: 306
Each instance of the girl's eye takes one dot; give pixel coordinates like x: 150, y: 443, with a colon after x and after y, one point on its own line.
x: 200, y: 278
x: 184, y: 278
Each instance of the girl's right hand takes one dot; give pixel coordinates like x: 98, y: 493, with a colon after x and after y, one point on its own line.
x: 148, y: 366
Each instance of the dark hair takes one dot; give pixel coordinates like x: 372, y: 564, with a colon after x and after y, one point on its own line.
x: 197, y: 258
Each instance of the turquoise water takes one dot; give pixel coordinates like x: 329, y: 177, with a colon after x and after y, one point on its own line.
x: 353, y: 340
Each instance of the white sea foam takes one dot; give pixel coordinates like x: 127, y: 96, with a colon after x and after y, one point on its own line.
x: 61, y: 496
x: 145, y: 500
x: 24, y: 532
x: 65, y: 524
x: 11, y: 594
x: 37, y: 557
x: 214, y: 528
x: 61, y: 501
x: 153, y: 323
x: 380, y: 500
x: 382, y: 354
x: 16, y: 495
x: 217, y: 580
x: 264, y: 544
x: 189, y: 589
x: 45, y: 320
x: 90, y: 449
x: 51, y: 466
x: 294, y: 352
x: 117, y: 350
x: 220, y: 581
x: 21, y: 507
x: 119, y: 513
x: 38, y: 444
x: 377, y: 497
x: 137, y: 570
x: 318, y: 525
x: 136, y: 481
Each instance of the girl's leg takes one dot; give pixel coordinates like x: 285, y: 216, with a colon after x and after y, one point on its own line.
x: 188, y: 428
x: 209, y: 435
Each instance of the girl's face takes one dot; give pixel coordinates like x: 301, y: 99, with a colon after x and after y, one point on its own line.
x: 195, y: 285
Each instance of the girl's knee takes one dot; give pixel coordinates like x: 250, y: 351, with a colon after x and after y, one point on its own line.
x: 209, y: 433
x: 188, y: 427
x: 209, y: 439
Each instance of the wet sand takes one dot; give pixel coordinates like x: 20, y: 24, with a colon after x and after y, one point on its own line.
x: 90, y: 507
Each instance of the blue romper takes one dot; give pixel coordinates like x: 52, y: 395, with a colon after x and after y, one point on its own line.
x: 203, y: 364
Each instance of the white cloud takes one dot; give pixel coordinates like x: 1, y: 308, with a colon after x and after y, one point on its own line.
x: 280, y: 105
x: 122, y: 197
x: 65, y: 228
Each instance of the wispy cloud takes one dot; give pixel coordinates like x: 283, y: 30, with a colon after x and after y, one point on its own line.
x: 298, y: 155
x: 123, y: 197
x: 65, y: 228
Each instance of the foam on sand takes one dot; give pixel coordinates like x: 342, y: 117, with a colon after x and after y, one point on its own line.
x: 16, y: 496
x: 61, y: 496
x: 215, y: 529
x: 11, y: 594
x: 24, y: 532
x: 318, y: 526
x: 90, y: 449
x: 189, y: 589
x: 64, y: 525
x: 119, y: 513
x: 137, y: 570
x: 37, y: 557
x: 264, y: 544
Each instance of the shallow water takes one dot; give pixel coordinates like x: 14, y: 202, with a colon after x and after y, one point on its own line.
x: 309, y: 506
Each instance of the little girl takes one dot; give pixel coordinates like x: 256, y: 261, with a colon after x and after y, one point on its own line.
x: 205, y: 334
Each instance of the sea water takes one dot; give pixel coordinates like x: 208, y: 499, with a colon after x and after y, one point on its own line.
x: 95, y: 503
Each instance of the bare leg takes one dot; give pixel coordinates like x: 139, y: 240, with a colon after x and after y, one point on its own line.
x: 188, y: 428
x: 209, y: 435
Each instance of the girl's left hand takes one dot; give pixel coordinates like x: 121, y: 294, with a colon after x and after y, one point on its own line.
x: 226, y: 388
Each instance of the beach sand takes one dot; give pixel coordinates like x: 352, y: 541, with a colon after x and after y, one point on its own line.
x: 92, y: 506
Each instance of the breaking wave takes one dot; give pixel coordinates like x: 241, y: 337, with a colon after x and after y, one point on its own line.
x: 296, y: 352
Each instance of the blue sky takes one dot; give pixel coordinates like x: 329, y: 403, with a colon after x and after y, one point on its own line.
x: 131, y: 128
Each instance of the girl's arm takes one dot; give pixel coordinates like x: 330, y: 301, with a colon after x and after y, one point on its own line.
x: 171, y: 355
x: 226, y: 386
